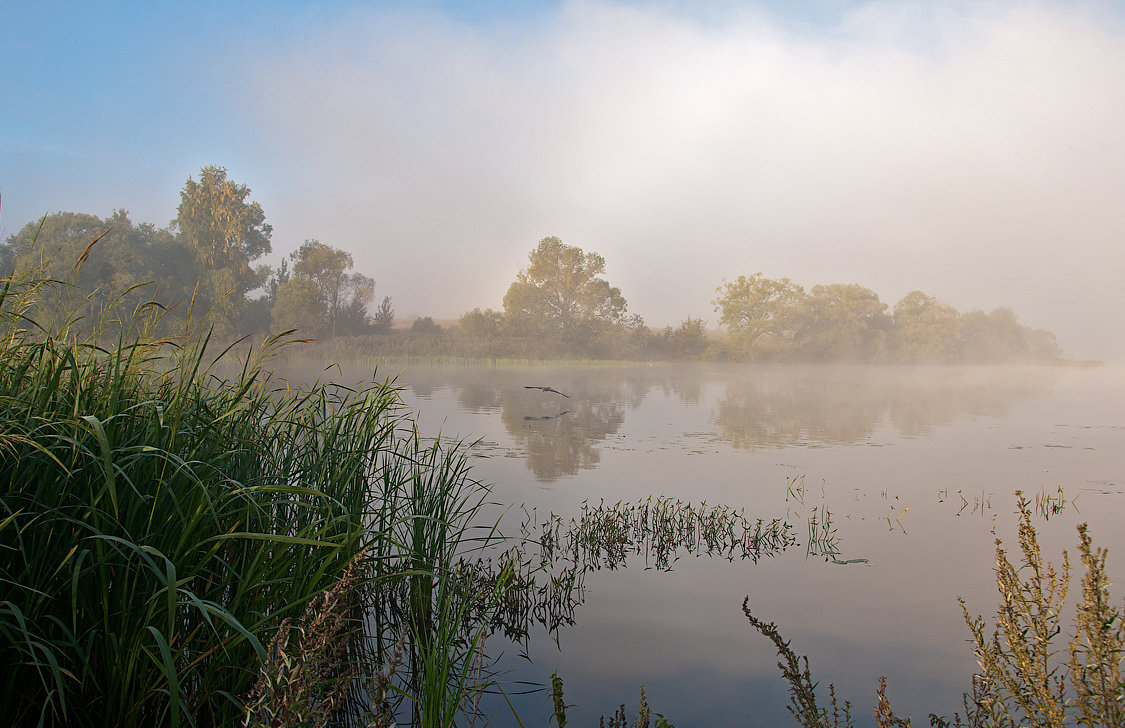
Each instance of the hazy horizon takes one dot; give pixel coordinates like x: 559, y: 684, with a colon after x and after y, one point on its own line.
x: 969, y: 150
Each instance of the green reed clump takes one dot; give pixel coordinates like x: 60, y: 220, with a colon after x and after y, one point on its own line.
x: 163, y: 529
x: 1023, y: 679
x: 159, y: 524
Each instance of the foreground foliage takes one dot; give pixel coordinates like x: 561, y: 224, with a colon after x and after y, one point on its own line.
x: 1023, y: 680
x: 163, y: 529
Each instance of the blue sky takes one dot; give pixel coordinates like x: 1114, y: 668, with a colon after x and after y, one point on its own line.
x: 970, y: 150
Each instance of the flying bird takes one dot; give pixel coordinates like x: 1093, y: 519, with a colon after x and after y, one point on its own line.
x: 546, y: 389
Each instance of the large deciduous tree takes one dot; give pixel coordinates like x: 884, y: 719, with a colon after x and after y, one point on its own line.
x: 478, y: 324
x: 847, y: 322
x: 299, y: 305
x: 764, y: 316
x: 100, y: 260
x: 926, y: 330
x: 562, y: 294
x: 998, y: 336
x: 227, y: 233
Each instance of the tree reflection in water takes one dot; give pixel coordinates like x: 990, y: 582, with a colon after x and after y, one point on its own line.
x: 752, y: 405
x: 564, y: 441
x: 774, y: 406
x: 760, y: 406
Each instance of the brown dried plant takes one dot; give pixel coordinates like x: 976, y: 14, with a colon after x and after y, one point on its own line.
x: 1023, y: 679
x: 307, y: 674
x: 802, y: 690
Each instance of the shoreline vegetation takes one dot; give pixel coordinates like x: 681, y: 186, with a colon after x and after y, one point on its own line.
x: 182, y: 548
x: 560, y: 307
x: 1033, y: 669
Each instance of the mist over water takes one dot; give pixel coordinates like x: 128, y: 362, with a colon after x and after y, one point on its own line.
x: 917, y: 467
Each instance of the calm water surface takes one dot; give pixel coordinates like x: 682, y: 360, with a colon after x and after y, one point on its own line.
x: 917, y: 466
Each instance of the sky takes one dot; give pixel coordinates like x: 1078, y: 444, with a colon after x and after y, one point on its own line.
x: 971, y: 150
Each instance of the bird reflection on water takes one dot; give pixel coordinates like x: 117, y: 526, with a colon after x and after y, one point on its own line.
x: 546, y: 389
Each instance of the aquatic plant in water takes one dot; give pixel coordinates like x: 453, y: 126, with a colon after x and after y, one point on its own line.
x: 659, y: 529
x: 1023, y: 680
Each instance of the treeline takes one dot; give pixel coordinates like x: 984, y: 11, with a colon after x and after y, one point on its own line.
x: 204, y: 264
x: 559, y: 306
x: 778, y: 320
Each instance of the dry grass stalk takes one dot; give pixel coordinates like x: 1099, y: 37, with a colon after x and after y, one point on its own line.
x: 1022, y: 680
x: 307, y: 675
x: 802, y: 690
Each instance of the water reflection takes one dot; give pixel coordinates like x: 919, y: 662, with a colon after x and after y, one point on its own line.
x: 560, y: 442
x: 759, y: 407
x: 810, y: 407
x: 713, y: 432
x: 751, y: 407
x: 546, y: 568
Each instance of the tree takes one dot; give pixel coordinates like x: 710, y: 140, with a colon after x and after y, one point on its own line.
x: 561, y: 294
x: 992, y: 337
x: 344, y: 295
x: 847, y: 322
x: 998, y: 336
x: 425, y: 325
x: 478, y: 324
x: 277, y: 278
x: 299, y: 305
x: 926, y: 330
x: 384, y: 319
x: 341, y: 302
x: 763, y: 315
x: 690, y: 339
x: 100, y: 260
x: 224, y: 229
x: 351, y: 317
x: 228, y: 233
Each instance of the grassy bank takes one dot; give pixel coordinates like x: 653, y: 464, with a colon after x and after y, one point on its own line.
x: 175, y: 544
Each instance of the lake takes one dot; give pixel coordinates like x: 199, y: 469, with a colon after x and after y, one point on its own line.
x: 917, y: 467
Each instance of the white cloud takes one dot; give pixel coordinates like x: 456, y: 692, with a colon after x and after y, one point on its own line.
x: 970, y: 151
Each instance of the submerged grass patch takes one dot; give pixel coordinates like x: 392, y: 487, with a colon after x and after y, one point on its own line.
x: 660, y: 529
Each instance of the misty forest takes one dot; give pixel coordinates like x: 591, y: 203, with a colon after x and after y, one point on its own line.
x: 206, y: 264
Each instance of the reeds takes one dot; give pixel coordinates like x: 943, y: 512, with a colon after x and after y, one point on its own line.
x: 163, y: 529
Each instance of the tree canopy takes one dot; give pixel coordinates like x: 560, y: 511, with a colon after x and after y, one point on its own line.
x: 203, y: 262
x: 319, y: 297
x: 562, y: 294
x: 770, y: 319
x: 218, y: 221
x: 227, y: 232
x: 761, y: 312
